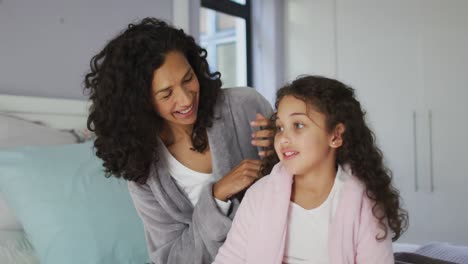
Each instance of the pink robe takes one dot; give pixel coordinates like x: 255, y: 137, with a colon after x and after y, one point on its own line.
x: 258, y: 233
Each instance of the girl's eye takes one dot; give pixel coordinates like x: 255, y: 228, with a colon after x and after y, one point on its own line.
x: 298, y: 125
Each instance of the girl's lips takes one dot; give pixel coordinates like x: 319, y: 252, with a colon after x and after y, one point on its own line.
x: 289, y: 154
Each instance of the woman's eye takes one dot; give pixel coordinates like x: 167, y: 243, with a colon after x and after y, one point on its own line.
x: 189, y: 79
x: 167, y: 95
x: 298, y: 125
x: 279, y: 129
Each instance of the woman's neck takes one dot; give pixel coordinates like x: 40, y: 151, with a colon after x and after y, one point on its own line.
x: 172, y: 134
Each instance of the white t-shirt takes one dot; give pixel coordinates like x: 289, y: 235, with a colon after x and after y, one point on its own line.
x: 307, y: 235
x: 191, y: 182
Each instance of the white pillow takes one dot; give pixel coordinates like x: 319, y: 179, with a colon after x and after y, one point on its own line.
x: 16, y: 132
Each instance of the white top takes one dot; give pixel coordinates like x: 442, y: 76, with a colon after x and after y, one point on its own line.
x: 307, y: 235
x: 191, y: 182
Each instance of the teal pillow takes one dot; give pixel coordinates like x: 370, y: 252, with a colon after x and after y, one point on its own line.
x: 69, y: 210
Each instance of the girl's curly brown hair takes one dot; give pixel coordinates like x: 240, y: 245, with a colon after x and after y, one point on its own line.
x: 122, y: 113
x: 337, y: 101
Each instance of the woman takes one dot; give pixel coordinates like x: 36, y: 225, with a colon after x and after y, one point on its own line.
x: 186, y: 146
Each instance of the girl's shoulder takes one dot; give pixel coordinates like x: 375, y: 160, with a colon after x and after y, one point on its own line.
x: 354, y: 199
x: 351, y: 184
x: 260, y: 185
x: 277, y: 183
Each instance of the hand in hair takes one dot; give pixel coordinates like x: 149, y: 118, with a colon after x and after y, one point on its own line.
x: 237, y: 180
x: 264, y: 136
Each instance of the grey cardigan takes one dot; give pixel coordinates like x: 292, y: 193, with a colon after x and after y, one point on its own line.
x: 176, y: 231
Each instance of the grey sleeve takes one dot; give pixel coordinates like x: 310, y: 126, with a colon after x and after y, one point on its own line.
x: 171, y: 239
x: 212, y: 225
x: 245, y: 104
x: 264, y: 106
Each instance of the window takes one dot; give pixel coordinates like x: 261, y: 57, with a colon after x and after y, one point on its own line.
x: 225, y: 34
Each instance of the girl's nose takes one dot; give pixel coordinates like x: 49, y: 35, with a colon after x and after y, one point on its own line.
x: 283, y: 138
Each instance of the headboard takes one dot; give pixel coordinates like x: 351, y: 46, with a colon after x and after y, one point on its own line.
x: 57, y: 113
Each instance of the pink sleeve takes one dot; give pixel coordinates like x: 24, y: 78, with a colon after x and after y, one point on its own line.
x: 234, y: 248
x: 370, y: 250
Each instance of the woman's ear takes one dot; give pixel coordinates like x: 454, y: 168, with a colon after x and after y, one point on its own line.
x: 336, y: 140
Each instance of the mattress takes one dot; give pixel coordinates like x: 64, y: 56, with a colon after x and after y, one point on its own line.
x: 405, y: 247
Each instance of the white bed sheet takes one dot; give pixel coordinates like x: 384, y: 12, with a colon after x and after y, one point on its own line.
x: 15, y: 248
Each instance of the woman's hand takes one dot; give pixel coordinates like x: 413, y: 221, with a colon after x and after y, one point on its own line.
x: 264, y: 136
x: 237, y: 180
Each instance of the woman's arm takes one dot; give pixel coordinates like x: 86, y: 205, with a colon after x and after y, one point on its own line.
x: 172, y: 240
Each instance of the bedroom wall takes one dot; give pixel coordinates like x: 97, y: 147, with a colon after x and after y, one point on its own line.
x: 46, y: 45
x: 309, y: 38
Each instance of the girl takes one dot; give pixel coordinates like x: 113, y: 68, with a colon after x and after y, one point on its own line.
x: 330, y: 199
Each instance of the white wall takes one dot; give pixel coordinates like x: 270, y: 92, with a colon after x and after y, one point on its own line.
x: 46, y: 45
x: 186, y: 15
x: 309, y: 38
x: 268, y: 46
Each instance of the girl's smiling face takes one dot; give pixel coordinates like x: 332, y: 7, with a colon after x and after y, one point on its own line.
x: 302, y: 142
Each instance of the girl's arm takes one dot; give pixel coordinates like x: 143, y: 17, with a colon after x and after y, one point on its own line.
x: 234, y: 250
x: 369, y: 249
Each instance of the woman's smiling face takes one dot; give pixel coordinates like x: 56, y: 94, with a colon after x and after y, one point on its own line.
x: 176, y: 90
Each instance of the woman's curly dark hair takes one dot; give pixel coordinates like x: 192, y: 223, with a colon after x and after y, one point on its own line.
x: 337, y: 101
x: 122, y: 113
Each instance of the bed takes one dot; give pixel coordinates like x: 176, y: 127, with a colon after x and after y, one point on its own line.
x: 56, y: 205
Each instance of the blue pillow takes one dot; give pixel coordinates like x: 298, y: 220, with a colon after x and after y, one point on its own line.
x: 69, y: 210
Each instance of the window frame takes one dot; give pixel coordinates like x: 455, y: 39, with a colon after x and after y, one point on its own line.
x: 241, y: 11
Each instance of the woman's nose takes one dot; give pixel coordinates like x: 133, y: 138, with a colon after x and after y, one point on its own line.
x: 184, y: 97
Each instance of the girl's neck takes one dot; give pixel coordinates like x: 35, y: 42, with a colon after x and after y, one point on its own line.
x: 312, y: 189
